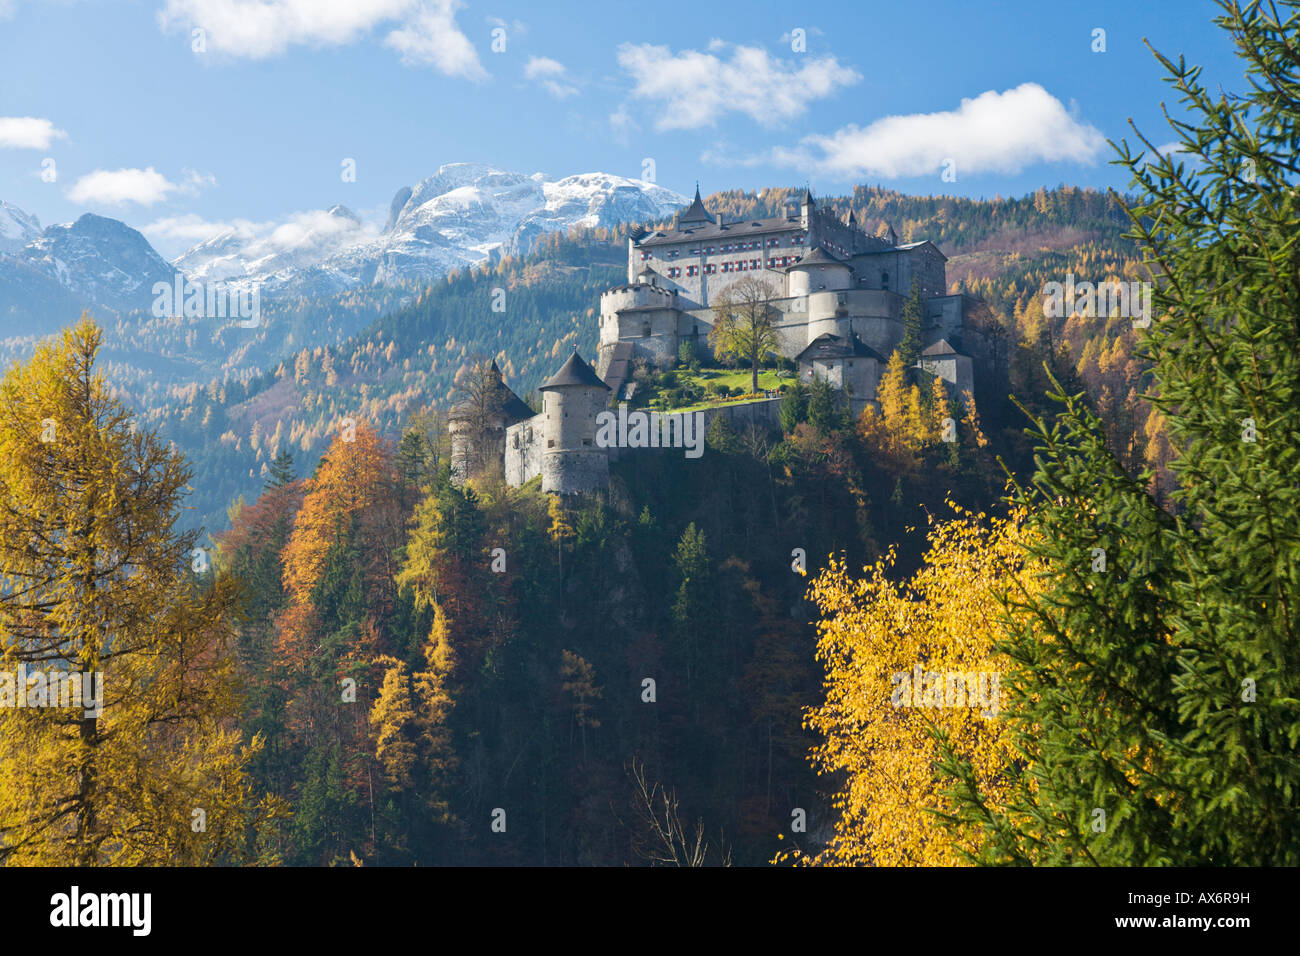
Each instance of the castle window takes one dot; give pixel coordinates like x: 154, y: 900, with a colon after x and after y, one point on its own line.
x: 645, y: 256
x: 516, y: 441
x: 645, y: 331
x: 774, y: 241
x: 884, y: 280
x: 586, y: 441
x: 550, y: 443
x: 797, y: 241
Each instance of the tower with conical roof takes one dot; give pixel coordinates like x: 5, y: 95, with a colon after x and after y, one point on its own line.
x: 571, y: 400
x: 477, y: 425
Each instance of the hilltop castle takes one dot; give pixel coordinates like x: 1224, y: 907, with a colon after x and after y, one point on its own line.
x: 838, y: 303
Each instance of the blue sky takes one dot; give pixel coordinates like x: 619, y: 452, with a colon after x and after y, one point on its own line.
x: 256, y: 126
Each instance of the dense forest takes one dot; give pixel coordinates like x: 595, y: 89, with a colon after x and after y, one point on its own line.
x: 1066, y: 637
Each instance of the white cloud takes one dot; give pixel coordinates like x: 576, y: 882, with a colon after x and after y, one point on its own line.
x: 431, y: 38
x: 121, y: 186
x: 304, y: 231
x: 142, y: 186
x: 27, y: 132
x: 261, y: 28
x: 696, y: 89
x: 551, y: 74
x: 303, y: 238
x: 424, y: 32
x: 191, y: 228
x: 993, y: 132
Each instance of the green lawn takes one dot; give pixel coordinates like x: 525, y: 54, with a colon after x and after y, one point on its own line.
x: 768, y: 379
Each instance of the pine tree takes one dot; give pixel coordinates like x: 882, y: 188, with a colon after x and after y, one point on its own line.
x: 1155, y: 682
x: 281, y: 471
x: 909, y: 347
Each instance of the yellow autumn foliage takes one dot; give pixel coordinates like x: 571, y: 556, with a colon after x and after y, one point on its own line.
x: 875, y: 633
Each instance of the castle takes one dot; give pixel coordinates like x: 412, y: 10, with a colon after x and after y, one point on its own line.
x: 837, y: 305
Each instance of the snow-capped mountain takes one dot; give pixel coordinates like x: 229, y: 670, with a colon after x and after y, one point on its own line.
x: 48, y: 276
x: 462, y: 215
x: 100, y: 260
x: 17, y: 228
x: 302, y: 242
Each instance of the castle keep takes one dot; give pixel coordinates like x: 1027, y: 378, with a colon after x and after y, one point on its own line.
x: 838, y: 296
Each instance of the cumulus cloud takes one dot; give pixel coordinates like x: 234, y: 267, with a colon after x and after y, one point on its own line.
x: 695, y: 89
x: 993, y: 132
x: 431, y: 38
x: 551, y: 74
x: 120, y: 186
x: 28, y: 132
x: 424, y: 32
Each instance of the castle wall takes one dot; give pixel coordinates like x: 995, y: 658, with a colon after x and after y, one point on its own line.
x: 524, y: 443
x: 944, y: 317
x: 765, y: 413
x: 858, y: 378
x: 957, y: 370
x: 572, y: 472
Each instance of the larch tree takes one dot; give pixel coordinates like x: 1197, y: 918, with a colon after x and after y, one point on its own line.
x: 911, y: 669
x: 96, y: 585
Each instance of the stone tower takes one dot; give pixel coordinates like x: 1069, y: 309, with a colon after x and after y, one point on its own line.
x: 571, y: 399
x: 469, y: 426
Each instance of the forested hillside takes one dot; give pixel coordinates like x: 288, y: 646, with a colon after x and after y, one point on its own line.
x: 528, y: 313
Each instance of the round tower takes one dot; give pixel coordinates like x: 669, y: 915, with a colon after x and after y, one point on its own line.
x: 477, y: 425
x: 818, y: 271
x: 571, y: 400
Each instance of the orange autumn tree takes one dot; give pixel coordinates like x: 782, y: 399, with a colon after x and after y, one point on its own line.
x: 344, y: 540
x: 879, y: 722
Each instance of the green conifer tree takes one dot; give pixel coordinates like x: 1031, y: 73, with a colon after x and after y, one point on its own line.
x: 1155, y: 690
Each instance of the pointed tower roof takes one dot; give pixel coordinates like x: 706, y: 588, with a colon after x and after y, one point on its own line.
x: 808, y: 198
x: 696, y: 211
x: 942, y: 347
x: 511, y: 406
x: 574, y: 372
x: 817, y: 256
